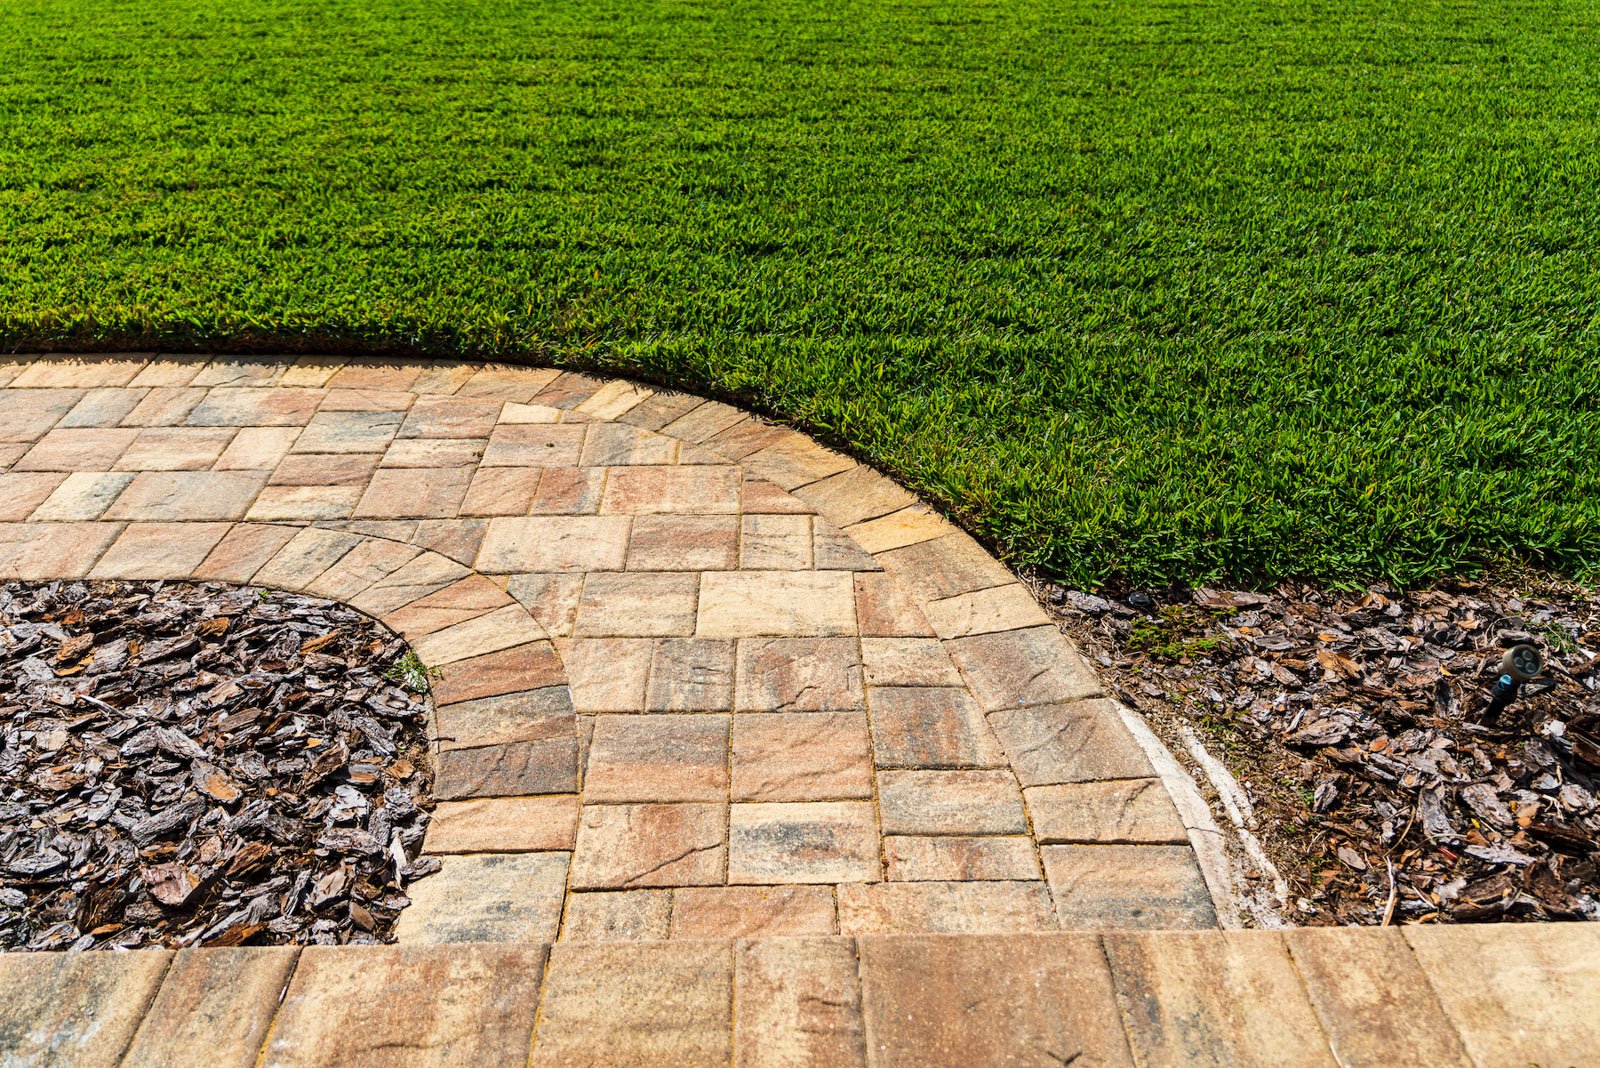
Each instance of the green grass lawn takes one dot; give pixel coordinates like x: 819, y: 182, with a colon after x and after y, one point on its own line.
x: 1172, y: 290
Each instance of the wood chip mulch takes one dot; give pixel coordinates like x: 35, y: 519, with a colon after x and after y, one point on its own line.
x: 1358, y: 723
x: 200, y: 764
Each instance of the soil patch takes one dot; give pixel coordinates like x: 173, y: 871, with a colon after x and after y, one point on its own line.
x: 203, y: 764
x: 1358, y: 723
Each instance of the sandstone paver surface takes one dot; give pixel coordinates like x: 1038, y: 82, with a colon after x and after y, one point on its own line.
x: 695, y: 675
x: 1496, y: 996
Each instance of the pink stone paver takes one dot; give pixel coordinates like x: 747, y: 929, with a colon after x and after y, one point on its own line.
x: 678, y: 650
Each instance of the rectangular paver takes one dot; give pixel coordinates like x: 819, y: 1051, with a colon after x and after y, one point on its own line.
x: 750, y: 604
x: 801, y: 756
x: 944, y: 908
x: 1225, y: 998
x: 950, y: 802
x: 353, y: 1005
x: 1107, y: 887
x: 75, y: 1008
x: 813, y: 842
x: 650, y: 845
x: 752, y: 911
x: 797, y: 1001
x: 651, y: 1004
x: 1007, y: 999
x: 214, y: 1007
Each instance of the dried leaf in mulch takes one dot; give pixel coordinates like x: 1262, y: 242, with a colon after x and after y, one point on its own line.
x: 200, y: 764
x: 1359, y: 723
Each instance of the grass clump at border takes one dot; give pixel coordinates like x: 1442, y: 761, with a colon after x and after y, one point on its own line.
x: 1173, y: 291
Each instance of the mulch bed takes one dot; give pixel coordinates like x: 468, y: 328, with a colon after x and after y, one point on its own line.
x: 200, y: 764
x: 1358, y: 724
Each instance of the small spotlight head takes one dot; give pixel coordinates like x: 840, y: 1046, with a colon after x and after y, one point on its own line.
x: 1522, y: 662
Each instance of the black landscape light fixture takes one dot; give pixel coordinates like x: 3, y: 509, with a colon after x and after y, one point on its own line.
x: 1520, y: 664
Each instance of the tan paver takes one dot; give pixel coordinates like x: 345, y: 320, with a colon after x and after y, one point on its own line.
x: 214, y: 1007
x: 543, y: 714
x: 102, y: 407
x: 657, y: 758
x: 188, y: 495
x: 159, y: 550
x: 1517, y: 994
x: 607, y: 674
x: 487, y: 897
x: 682, y: 490
x: 931, y: 727
x: 242, y: 552
x: 886, y: 608
x: 961, y: 859
x: 1009, y: 607
x: 21, y: 493
x: 29, y: 414
x: 618, y: 915
x: 74, y: 1008
x: 854, y: 495
x: 353, y: 1005
x: 527, y: 667
x: 501, y: 491
x: 1127, y: 886
x: 1077, y: 742
x: 1014, y: 999
x: 546, y: 765
x: 80, y: 449
x: 690, y: 675
x: 796, y: 1001
x: 907, y: 662
x: 944, y: 908
x: 798, y: 675
x: 504, y: 825
x: 1374, y: 1002
x: 637, y: 605
x: 1188, y: 999
x: 650, y: 845
x: 421, y: 493
x: 489, y: 632
x: 112, y: 369
x: 752, y: 911
x: 752, y: 604
x: 566, y: 543
x: 1022, y: 668
x: 1128, y: 810
x: 775, y: 543
x: 55, y: 550
x: 679, y: 543
x: 813, y: 842
x: 653, y: 1004
x: 256, y: 407
x: 950, y: 802
x: 801, y: 756
x: 175, y: 449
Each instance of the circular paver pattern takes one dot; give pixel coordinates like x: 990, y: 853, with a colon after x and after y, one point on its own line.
x: 696, y: 675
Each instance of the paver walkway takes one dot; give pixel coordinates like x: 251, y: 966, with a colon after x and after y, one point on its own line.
x: 697, y: 675
x: 1436, y: 997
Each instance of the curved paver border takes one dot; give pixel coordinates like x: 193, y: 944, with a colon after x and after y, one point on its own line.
x: 915, y: 603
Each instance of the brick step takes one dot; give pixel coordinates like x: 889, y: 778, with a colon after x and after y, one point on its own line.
x: 1490, y: 995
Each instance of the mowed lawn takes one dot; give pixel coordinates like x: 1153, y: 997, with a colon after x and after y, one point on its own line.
x: 1236, y: 289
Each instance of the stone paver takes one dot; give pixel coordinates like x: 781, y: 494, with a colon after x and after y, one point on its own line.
x: 728, y: 680
x: 1002, y: 1000
x: 435, y: 1004
x: 220, y: 1001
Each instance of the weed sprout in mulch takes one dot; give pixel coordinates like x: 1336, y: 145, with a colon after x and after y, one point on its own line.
x: 1359, y: 724
x: 200, y: 764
